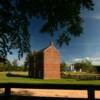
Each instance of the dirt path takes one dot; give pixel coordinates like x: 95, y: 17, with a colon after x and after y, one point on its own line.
x: 52, y: 93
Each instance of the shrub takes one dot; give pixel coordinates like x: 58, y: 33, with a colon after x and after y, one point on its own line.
x: 81, y: 76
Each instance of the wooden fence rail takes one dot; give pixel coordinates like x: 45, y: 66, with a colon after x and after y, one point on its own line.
x: 90, y: 88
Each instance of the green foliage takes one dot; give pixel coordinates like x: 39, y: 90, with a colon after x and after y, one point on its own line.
x: 7, y: 66
x: 57, y: 14
x: 85, y: 65
x: 97, y: 68
x: 62, y: 66
x: 30, y: 59
x: 81, y: 76
x: 13, y: 29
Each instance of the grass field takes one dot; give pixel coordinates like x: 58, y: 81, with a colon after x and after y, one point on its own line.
x: 5, y: 79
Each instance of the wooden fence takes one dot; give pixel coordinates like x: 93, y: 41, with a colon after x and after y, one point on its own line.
x: 90, y: 89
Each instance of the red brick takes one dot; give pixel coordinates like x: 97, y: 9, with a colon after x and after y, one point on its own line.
x: 48, y: 63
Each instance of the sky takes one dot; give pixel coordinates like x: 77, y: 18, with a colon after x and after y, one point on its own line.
x: 87, y: 46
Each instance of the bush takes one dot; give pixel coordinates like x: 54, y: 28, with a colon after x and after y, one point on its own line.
x: 11, y: 68
x: 81, y: 76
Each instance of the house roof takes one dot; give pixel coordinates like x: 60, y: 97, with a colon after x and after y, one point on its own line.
x: 48, y: 47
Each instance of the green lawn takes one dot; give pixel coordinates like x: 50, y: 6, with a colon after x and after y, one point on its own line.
x: 6, y: 79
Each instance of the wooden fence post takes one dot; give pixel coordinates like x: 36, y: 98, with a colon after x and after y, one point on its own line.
x: 91, y: 93
x: 7, y: 91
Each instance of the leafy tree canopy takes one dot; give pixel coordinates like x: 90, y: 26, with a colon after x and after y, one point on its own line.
x: 63, y: 66
x: 57, y: 14
x: 85, y: 65
x: 30, y: 58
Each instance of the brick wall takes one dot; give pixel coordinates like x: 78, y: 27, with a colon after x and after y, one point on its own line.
x: 51, y: 63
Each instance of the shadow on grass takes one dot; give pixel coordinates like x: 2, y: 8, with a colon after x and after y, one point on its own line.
x: 16, y: 75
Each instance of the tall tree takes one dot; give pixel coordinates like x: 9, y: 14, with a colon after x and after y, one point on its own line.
x: 85, y: 65
x: 57, y: 14
x: 63, y: 66
x: 8, y: 65
x: 29, y: 59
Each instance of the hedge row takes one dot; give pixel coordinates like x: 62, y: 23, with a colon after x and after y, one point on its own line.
x: 82, y: 77
x: 4, y: 68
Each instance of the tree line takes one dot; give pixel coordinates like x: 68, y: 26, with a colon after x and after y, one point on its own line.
x: 8, y: 66
x: 84, y: 65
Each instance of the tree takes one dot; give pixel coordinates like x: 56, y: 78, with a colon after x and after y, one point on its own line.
x: 29, y: 60
x: 25, y: 66
x: 15, y: 16
x: 85, y: 65
x: 5, y: 65
x: 78, y: 66
x: 62, y: 66
x: 8, y: 65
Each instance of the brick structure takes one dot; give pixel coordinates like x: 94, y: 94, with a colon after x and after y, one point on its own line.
x: 46, y: 64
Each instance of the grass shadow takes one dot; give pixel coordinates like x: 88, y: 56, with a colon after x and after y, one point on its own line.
x: 16, y: 75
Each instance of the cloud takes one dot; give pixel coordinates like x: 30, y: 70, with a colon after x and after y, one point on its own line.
x: 80, y: 59
x: 92, y: 16
x: 77, y: 59
x: 93, y: 60
x: 97, y: 17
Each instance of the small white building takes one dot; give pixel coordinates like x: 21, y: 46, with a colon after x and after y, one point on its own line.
x: 70, y: 68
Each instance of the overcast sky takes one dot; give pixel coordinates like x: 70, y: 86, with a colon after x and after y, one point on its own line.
x: 87, y: 46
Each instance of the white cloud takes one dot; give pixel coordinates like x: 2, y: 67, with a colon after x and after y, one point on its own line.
x: 94, y: 60
x: 96, y: 17
x: 91, y: 16
x: 77, y: 59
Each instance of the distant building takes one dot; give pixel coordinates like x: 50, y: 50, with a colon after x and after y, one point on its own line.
x: 70, y: 68
x: 46, y: 64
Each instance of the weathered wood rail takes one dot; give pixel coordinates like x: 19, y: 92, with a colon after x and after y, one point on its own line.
x: 90, y: 89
